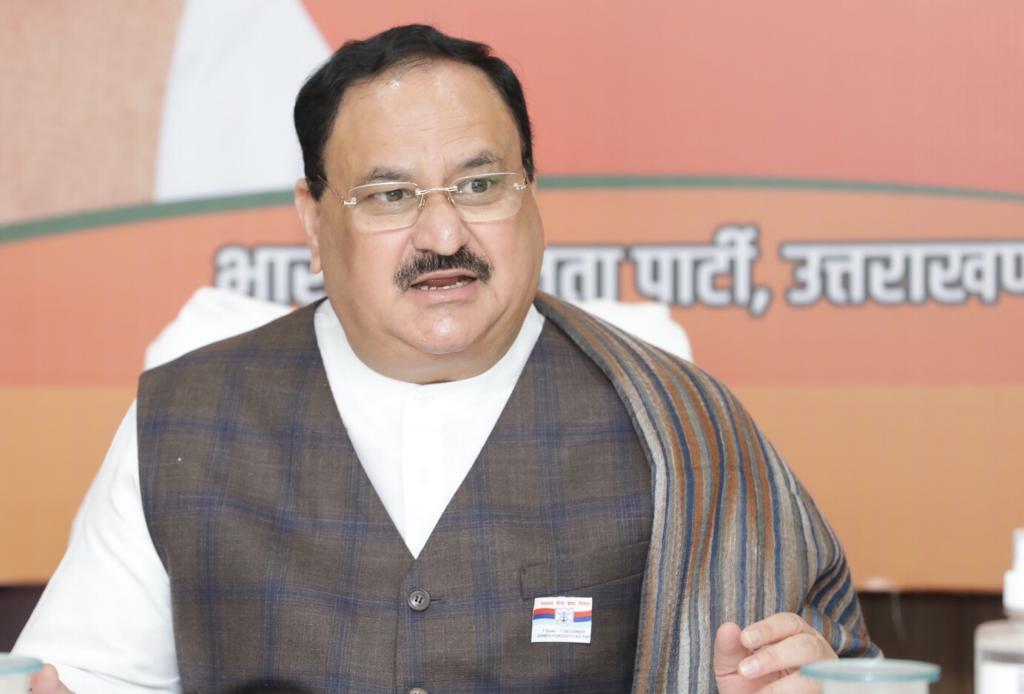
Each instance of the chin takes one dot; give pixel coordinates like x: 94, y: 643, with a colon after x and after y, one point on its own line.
x: 447, y: 337
x: 447, y: 345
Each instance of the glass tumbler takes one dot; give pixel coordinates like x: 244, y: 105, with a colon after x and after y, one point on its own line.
x: 872, y: 676
x: 15, y: 671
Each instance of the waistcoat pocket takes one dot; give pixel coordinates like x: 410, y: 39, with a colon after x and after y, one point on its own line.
x: 581, y: 570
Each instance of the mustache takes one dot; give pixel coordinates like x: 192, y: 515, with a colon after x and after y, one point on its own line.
x: 428, y: 261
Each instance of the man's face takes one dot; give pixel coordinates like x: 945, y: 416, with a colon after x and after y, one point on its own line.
x: 428, y: 123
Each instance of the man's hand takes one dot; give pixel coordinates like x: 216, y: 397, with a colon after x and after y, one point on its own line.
x: 46, y: 682
x: 767, y: 655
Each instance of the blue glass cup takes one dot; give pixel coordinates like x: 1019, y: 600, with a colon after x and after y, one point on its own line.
x: 15, y: 672
x: 872, y: 676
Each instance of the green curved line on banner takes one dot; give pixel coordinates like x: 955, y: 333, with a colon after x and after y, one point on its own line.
x: 114, y: 216
x: 140, y: 213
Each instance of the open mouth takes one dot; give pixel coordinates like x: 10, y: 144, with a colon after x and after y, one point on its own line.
x: 443, y: 282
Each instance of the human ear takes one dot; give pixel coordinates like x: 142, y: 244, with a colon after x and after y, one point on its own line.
x: 308, y: 208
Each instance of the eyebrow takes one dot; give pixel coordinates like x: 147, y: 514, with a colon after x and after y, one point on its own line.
x: 380, y: 174
x: 485, y: 158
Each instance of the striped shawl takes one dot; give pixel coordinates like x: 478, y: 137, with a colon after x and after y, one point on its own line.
x: 735, y: 537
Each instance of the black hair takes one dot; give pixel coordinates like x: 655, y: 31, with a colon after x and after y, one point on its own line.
x: 316, y: 106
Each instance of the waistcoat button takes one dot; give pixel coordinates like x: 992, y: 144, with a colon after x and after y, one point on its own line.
x: 419, y: 600
x: 418, y: 690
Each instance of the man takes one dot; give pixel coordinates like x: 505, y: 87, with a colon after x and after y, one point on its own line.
x: 515, y: 496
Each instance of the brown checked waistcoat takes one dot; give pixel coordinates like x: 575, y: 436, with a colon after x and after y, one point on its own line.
x: 285, y: 566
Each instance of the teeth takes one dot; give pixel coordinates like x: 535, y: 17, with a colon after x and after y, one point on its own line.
x: 454, y: 285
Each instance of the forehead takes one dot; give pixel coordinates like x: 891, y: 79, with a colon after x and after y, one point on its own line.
x: 426, y: 119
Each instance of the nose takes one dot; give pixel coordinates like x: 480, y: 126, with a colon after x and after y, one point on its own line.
x: 439, y: 228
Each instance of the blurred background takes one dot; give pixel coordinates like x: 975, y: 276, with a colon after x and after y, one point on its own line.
x: 829, y: 196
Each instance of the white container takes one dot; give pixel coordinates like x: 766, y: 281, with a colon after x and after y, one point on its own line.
x: 872, y: 676
x: 999, y: 646
x: 15, y: 671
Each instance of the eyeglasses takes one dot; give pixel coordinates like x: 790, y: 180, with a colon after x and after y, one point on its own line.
x: 395, y: 205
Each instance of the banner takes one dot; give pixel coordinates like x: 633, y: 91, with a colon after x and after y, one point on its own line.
x: 827, y: 196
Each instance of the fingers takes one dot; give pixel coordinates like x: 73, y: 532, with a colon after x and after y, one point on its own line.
x: 786, y: 655
x: 46, y: 681
x: 782, y: 643
x: 764, y: 657
x: 729, y: 650
x: 775, y: 628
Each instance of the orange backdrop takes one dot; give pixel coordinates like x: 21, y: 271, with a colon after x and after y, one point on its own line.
x: 657, y: 123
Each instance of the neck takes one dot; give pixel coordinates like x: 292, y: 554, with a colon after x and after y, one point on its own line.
x: 401, y: 361
x: 432, y: 369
